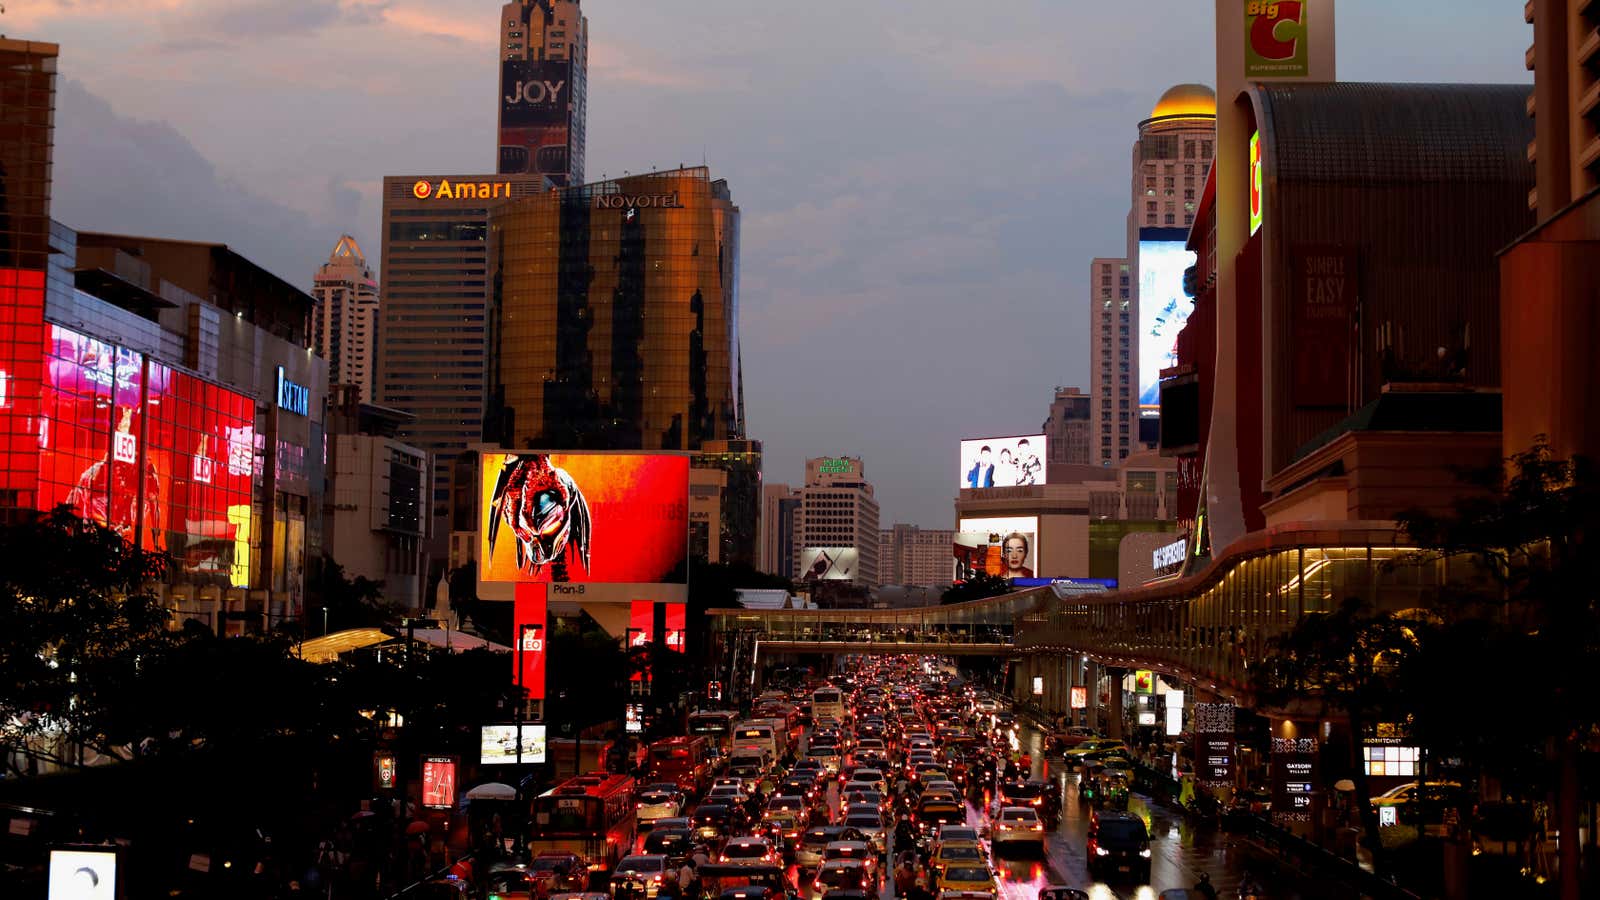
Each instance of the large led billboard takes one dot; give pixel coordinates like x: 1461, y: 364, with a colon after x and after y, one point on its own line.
x: 1001, y: 527
x: 1003, y: 461
x: 1163, y: 306
x: 1003, y: 554
x: 828, y: 563
x: 535, y: 117
x: 574, y: 518
x: 498, y: 744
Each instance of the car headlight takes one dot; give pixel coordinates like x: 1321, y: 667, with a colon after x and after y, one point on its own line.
x: 1145, y: 853
x: 1101, y: 851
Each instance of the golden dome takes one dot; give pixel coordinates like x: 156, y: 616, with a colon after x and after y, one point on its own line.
x: 1186, y: 100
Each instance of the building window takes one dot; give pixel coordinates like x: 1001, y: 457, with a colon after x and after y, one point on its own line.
x: 1188, y: 149
x: 1171, y: 219
x: 1205, y: 149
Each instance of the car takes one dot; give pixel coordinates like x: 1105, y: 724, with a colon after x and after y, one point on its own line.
x: 728, y: 794
x: 814, y: 842
x: 839, y: 875
x: 855, y: 850
x: 1070, y: 737
x: 1075, y: 756
x: 866, y: 780
x: 510, y: 881
x: 783, y: 829
x: 558, y: 871
x: 866, y: 798
x: 676, y: 843
x: 1018, y: 826
x: 932, y: 814
x: 874, y: 830
x: 655, y: 803
x: 643, y: 872
x: 1023, y: 793
x: 830, y: 757
x: 1434, y: 791
x: 967, y: 878
x: 1118, y: 845
x: 749, y: 850
x: 958, y: 853
x: 676, y: 822
x: 793, y: 803
x: 958, y: 833
x: 1057, y: 892
x: 715, y: 821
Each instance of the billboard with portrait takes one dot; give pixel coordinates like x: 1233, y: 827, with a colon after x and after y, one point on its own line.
x: 999, y: 527
x: 498, y: 744
x: 1163, y: 306
x: 535, y: 117
x: 576, y: 518
x: 828, y: 563
x: 1003, y: 462
x: 1003, y: 554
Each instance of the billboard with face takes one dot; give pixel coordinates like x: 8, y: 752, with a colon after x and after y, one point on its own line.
x: 535, y: 125
x: 1003, y: 462
x: 584, y: 517
x: 1003, y: 554
x: 828, y: 563
x: 1163, y: 306
x: 1000, y: 538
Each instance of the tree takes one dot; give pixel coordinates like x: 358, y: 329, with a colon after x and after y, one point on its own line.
x: 349, y: 602
x: 978, y: 587
x: 1521, y: 578
x: 76, y: 623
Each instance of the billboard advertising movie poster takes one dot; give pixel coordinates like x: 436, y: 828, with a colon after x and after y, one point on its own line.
x: 498, y: 744
x: 535, y: 117
x: 828, y: 563
x: 585, y: 517
x: 1003, y: 554
x: 1163, y: 306
x: 1001, y: 527
x: 1003, y: 462
x: 439, y: 782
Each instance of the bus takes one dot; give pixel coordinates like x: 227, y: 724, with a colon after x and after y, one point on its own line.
x: 684, y: 761
x: 764, y: 734
x: 715, y: 725
x: 827, y: 702
x: 591, y: 815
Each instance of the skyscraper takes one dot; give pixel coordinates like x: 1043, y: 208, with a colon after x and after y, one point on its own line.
x: 912, y: 555
x: 615, y: 316
x: 778, y: 505
x: 1110, y: 358
x: 1067, y: 428
x: 544, y: 65
x: 27, y: 116
x: 836, y: 535
x: 432, y: 322
x: 344, y: 323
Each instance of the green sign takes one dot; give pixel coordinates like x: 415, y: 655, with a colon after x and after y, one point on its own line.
x: 1275, y: 40
x: 835, y: 466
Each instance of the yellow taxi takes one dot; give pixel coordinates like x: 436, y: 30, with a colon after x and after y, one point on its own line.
x: 1099, y: 747
x: 967, y: 878
x: 957, y: 853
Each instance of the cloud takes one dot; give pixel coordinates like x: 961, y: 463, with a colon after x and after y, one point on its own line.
x: 121, y: 175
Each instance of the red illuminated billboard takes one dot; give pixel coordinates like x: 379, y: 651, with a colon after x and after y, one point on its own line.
x: 439, y: 782
x: 576, y: 518
x: 641, y: 623
x: 676, y: 626
x: 528, y: 618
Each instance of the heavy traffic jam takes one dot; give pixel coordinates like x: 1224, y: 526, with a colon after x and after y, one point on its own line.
x: 891, y: 778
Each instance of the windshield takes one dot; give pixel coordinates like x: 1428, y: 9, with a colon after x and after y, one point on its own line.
x: 837, y: 875
x: 864, y: 821
x: 1122, y: 831
x: 966, y: 873
x: 639, y: 864
x: 550, y: 864
x: 745, y: 851
x: 961, y: 852
x: 1024, y: 816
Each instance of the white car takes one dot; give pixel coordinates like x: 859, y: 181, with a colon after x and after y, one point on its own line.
x: 1018, y: 826
x: 655, y: 803
x: 646, y: 870
x: 866, y: 780
x: 732, y: 795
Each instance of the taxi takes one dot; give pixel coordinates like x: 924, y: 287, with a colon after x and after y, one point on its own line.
x: 1077, y: 754
x: 967, y: 878
x: 957, y: 853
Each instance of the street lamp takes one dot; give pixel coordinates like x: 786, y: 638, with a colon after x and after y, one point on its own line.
x: 324, y: 621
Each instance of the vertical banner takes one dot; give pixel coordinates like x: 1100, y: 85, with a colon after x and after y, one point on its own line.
x: 1080, y: 697
x: 1214, y: 743
x: 641, y: 623
x: 528, y: 621
x: 1294, y: 780
x: 439, y: 782
x: 676, y: 626
x: 385, y: 771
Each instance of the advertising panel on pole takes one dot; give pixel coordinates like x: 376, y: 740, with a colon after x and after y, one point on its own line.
x: 1079, y: 697
x: 828, y: 563
x: 1275, y: 39
x: 1163, y: 306
x: 1003, y: 462
x: 439, y: 782
x: 587, y: 523
x: 641, y: 623
x: 498, y: 744
x: 385, y: 771
x: 83, y: 874
x: 999, y: 527
x: 633, y: 718
x: 677, y: 625
x: 1323, y: 289
x: 528, y: 614
x: 535, y: 118
x: 1003, y: 554
x: 1294, y: 779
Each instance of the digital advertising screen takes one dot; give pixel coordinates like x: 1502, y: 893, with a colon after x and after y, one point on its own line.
x: 1003, y: 461
x: 1163, y: 306
x: 439, y: 782
x: 83, y: 875
x: 1001, y: 526
x: 574, y: 518
x: 828, y: 563
x: 1003, y: 554
x: 498, y: 744
x: 535, y: 124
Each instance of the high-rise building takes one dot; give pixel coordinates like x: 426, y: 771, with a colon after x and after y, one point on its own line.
x: 912, y: 555
x: 433, y: 321
x: 1066, y: 429
x: 738, y: 519
x: 376, y: 513
x: 1170, y: 159
x: 1111, y: 392
x: 544, y: 65
x: 1550, y: 278
x: 836, y: 524
x: 27, y: 120
x: 614, y: 321
x: 779, y: 502
x: 344, y: 323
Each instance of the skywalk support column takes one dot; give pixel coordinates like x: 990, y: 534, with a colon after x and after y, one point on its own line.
x: 1114, y: 710
x: 1093, y: 710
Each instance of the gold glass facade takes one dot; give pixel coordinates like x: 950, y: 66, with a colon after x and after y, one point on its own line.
x: 614, y: 320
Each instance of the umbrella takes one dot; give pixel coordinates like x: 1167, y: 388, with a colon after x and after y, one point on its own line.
x: 494, y: 790
x: 1344, y: 784
x: 417, y: 827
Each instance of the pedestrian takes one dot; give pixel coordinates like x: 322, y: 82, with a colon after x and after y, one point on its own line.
x: 686, y: 878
